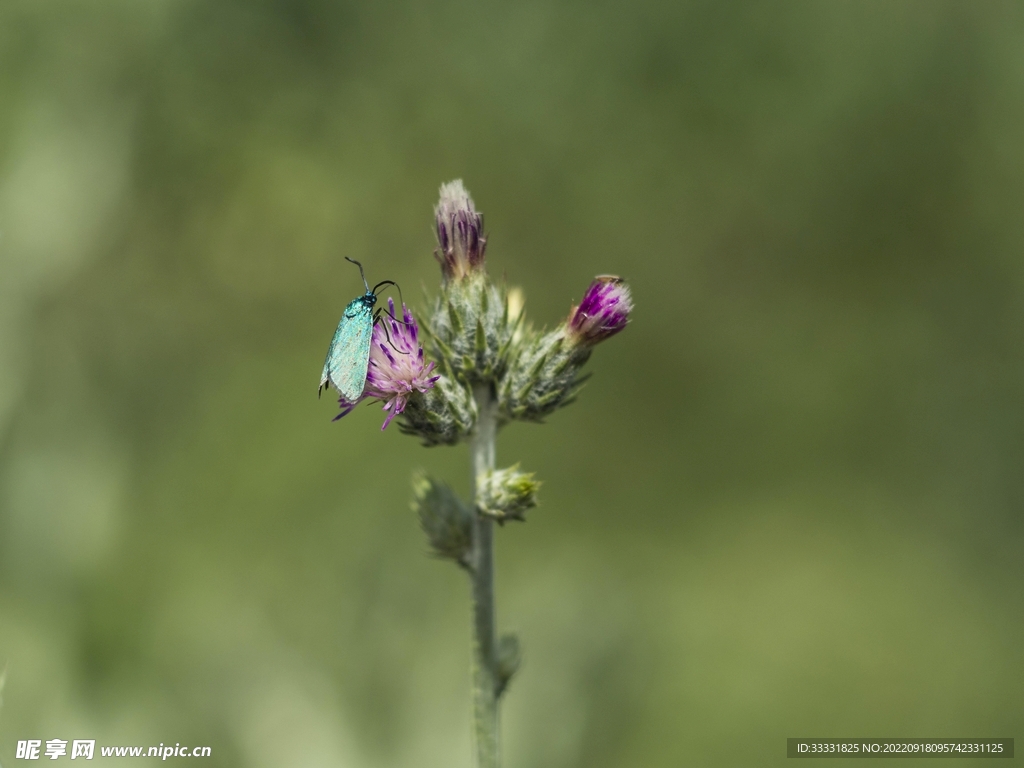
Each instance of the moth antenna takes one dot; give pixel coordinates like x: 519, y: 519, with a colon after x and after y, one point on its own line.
x: 361, y: 273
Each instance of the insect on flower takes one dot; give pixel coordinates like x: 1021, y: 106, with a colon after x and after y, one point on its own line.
x: 349, y: 353
x: 397, y: 369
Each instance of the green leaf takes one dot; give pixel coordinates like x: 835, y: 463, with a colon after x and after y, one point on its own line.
x: 509, y: 659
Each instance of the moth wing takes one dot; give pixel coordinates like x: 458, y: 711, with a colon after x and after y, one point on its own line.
x: 349, y: 353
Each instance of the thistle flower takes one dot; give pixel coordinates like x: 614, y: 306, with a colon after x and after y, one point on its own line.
x: 492, y: 367
x: 470, y: 325
x: 397, y: 368
x: 460, y: 232
x: 603, y: 311
x: 546, y: 371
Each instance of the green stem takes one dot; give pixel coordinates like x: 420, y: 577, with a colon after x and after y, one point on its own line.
x: 485, y: 649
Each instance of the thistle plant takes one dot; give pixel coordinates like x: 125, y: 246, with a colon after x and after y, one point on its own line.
x: 478, y: 366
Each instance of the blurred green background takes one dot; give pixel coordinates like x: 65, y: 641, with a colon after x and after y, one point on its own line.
x: 788, y: 503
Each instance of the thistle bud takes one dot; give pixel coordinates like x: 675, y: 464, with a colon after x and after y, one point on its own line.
x: 460, y: 232
x: 443, y: 517
x: 506, y: 494
x: 603, y: 311
x: 471, y: 329
x: 544, y: 374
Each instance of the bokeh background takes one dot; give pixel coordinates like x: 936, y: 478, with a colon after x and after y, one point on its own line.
x: 789, y: 503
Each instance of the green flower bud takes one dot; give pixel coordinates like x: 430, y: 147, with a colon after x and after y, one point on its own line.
x: 444, y: 518
x: 543, y: 375
x: 471, y: 329
x: 506, y: 494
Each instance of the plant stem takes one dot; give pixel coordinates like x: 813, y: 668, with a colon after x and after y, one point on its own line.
x: 485, y: 649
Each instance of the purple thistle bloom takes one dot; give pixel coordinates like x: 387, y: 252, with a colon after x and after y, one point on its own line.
x: 396, y: 367
x: 603, y: 312
x: 460, y: 232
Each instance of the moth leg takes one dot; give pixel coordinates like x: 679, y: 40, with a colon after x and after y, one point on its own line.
x: 400, y: 298
x: 377, y: 319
